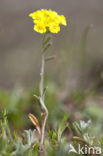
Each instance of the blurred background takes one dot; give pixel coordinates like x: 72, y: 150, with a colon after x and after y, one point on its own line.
x: 74, y: 78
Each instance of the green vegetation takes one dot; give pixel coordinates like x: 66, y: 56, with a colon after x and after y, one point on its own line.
x: 66, y: 126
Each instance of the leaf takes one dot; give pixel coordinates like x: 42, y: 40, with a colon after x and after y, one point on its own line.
x: 35, y: 122
x: 81, y: 127
x: 78, y: 139
x: 47, y: 46
x: 62, y: 126
x: 85, y: 125
x: 77, y: 128
x: 44, y: 91
x: 46, y: 41
x: 19, y: 148
x: 49, y: 58
x: 88, y: 139
x: 30, y: 137
x: 52, y: 135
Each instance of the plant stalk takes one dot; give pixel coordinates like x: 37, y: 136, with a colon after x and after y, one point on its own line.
x: 42, y: 99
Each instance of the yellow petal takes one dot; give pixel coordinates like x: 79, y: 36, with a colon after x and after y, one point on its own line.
x: 63, y: 20
x: 39, y: 28
x: 54, y: 29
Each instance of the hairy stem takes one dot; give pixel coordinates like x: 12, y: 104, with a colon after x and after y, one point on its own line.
x: 42, y: 75
x: 42, y: 98
x: 44, y: 122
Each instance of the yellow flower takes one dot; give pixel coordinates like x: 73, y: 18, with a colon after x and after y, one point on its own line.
x: 39, y: 28
x: 63, y: 20
x: 45, y: 20
x: 54, y: 29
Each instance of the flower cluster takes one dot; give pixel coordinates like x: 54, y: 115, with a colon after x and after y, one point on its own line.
x: 47, y: 20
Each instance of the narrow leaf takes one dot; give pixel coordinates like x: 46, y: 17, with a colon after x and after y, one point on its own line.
x: 46, y: 41
x: 35, y: 122
x: 48, y: 45
x: 50, y: 58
